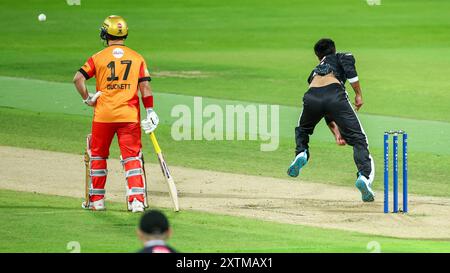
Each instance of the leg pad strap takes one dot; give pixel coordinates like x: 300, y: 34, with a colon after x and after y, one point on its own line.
x: 134, y: 172
x: 135, y: 191
x: 99, y: 172
x: 97, y: 191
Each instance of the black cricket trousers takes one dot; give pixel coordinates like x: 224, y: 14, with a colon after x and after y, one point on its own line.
x: 331, y: 102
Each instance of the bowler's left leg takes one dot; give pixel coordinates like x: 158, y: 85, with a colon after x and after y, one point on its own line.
x: 353, y: 133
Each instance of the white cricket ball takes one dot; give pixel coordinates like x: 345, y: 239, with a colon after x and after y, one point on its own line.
x: 42, y: 17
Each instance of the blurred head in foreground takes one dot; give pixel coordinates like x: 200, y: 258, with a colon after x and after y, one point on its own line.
x: 153, y: 231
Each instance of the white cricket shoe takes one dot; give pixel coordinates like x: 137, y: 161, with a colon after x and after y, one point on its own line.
x: 136, y: 206
x: 365, y: 187
x: 95, y: 205
x: 297, y: 164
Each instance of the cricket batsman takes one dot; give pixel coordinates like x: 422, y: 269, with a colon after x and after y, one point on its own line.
x: 120, y: 73
x: 327, y: 98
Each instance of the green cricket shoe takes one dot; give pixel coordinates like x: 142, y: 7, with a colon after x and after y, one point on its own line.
x: 299, y: 161
x: 364, y: 186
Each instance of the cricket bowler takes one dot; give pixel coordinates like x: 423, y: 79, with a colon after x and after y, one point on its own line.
x: 327, y: 98
x: 120, y: 73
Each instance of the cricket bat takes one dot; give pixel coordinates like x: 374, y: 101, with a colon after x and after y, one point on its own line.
x: 166, y: 173
x: 87, y: 158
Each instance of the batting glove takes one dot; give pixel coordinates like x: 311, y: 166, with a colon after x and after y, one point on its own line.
x: 92, y: 98
x: 151, y: 122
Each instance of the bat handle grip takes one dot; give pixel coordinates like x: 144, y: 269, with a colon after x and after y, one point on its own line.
x: 155, y: 143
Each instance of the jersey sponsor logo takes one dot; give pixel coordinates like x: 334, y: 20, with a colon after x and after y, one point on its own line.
x: 118, y: 53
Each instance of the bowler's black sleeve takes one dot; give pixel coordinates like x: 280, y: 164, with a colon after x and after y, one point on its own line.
x: 348, y: 64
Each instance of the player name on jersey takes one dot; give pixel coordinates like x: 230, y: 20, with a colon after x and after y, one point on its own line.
x: 116, y: 86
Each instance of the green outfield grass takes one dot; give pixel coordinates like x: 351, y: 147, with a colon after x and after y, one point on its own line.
x: 257, y: 50
x: 63, y: 218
